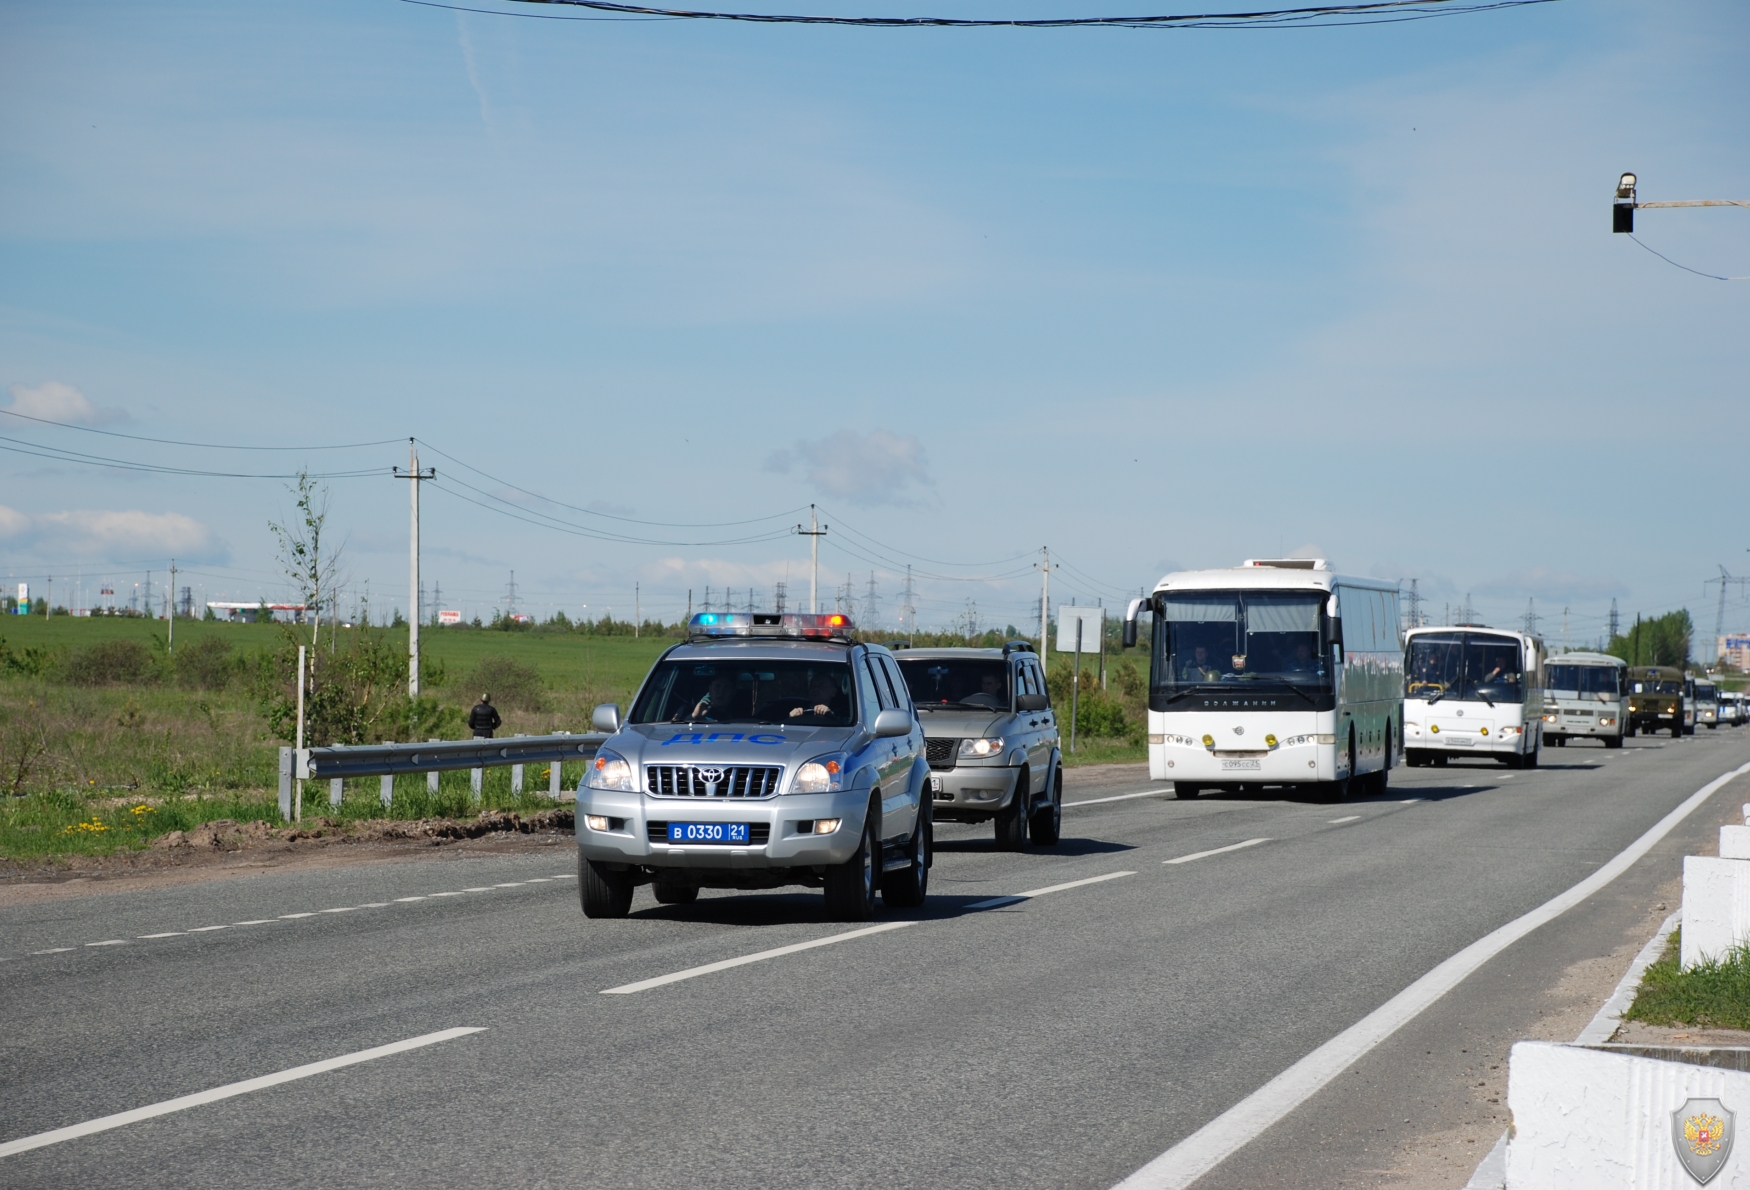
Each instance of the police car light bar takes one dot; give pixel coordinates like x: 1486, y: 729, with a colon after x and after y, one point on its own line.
x: 825, y: 626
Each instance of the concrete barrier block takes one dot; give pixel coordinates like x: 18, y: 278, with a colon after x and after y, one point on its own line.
x: 1716, y: 906
x: 1735, y: 842
x: 1588, y: 1119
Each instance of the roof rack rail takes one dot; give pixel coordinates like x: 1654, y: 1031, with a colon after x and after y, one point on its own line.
x: 1018, y: 646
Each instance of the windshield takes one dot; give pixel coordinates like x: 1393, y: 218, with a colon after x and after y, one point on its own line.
x: 1706, y: 691
x: 1463, y: 665
x: 1583, y: 681
x: 1239, y: 638
x: 957, y: 682
x: 809, y: 693
x: 1650, y: 687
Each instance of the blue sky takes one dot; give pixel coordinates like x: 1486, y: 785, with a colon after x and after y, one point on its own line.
x: 1154, y: 299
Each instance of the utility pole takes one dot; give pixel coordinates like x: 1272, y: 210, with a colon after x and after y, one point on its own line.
x: 170, y: 620
x: 869, y: 603
x: 637, y: 610
x: 1044, y: 567
x: 911, y: 613
x: 782, y: 596
x: 1531, y: 617
x: 1720, y: 615
x: 814, y: 533
x: 1415, y: 606
x: 1564, y: 630
x: 1615, y: 622
x: 415, y: 590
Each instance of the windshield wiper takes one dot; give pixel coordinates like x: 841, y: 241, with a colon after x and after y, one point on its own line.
x: 1309, y: 698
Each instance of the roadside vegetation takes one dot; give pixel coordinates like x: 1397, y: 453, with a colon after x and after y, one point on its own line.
x: 109, y: 738
x: 1712, y: 995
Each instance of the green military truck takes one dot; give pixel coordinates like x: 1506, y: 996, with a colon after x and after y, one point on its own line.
x: 1656, y: 701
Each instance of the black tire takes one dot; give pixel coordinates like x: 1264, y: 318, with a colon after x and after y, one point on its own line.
x: 1011, y: 820
x: 1184, y: 789
x: 604, y: 893
x: 1629, y: 731
x: 1711, y: 726
x: 1536, y: 753
x: 1613, y: 741
x: 851, y: 886
x: 673, y: 892
x: 1561, y: 741
x: 1046, y: 825
x: 1677, y: 730
x: 1440, y: 759
x: 906, y: 888
x: 1329, y: 793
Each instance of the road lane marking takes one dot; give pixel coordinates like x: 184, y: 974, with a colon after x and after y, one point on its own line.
x: 1185, y: 859
x: 1416, y: 801
x: 1205, y: 1148
x: 410, y: 898
x: 776, y: 952
x: 477, y: 889
x: 53, y: 950
x: 167, y: 934
x: 260, y: 921
x: 346, y: 909
x: 1016, y: 898
x: 111, y: 942
x: 375, y: 905
x: 207, y: 929
x: 290, y: 916
x: 1351, y: 818
x: 105, y: 1123
x: 1123, y: 797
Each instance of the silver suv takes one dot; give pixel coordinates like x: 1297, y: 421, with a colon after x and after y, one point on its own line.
x: 767, y: 750
x: 991, y: 739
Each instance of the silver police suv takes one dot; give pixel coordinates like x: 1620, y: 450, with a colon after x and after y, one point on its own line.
x: 767, y: 750
x: 991, y: 739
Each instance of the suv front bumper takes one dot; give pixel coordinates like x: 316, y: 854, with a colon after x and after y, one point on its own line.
x: 971, y: 792
x: 628, y: 839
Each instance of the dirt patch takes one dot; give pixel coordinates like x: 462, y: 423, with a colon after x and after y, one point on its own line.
x: 223, y: 849
x: 1104, y: 774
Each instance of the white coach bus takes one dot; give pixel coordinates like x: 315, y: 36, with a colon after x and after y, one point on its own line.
x: 1585, y: 697
x: 1276, y: 672
x: 1473, y: 691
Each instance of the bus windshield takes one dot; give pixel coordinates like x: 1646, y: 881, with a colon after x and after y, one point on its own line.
x: 1464, y: 665
x: 1251, y: 639
x: 1583, y: 681
x: 1707, y: 691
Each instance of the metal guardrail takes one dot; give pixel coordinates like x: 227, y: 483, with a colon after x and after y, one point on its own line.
x: 337, y: 764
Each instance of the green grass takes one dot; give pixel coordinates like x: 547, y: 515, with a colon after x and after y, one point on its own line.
x: 1710, y: 995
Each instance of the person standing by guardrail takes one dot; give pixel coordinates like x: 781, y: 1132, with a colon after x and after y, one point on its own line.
x: 484, y: 719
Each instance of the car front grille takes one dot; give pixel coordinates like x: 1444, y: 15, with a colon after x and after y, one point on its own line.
x: 704, y: 780
x: 758, y: 835
x: 941, y: 753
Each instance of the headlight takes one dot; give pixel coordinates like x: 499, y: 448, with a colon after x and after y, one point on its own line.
x: 823, y: 774
x: 1434, y: 729
x: 1209, y: 741
x: 984, y: 746
x: 611, y: 771
x: 1485, y: 731
x: 1269, y: 741
x: 1607, y: 721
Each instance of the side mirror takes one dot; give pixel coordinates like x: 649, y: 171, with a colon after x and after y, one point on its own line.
x: 1130, y: 614
x: 1031, y: 702
x: 892, y: 723
x: 606, y: 718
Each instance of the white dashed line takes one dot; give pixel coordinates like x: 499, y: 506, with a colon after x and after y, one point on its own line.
x: 167, y: 934
x: 483, y: 889
x: 1351, y: 818
x: 1123, y: 797
x: 111, y: 942
x: 105, y: 1123
x: 1185, y: 859
x: 343, y: 909
x: 512, y: 884
x: 1416, y: 801
x: 410, y: 898
x: 260, y: 921
x: 291, y: 916
x: 760, y: 956
x: 1016, y: 898
x: 207, y: 929
x: 53, y: 950
x: 375, y: 905
x: 446, y: 894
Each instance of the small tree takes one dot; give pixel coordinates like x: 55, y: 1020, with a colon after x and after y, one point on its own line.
x: 312, y: 566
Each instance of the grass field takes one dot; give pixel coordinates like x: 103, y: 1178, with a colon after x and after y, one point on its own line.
x: 97, y: 767
x: 1710, y: 995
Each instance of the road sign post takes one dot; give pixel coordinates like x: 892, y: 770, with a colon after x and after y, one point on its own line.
x: 1075, y: 627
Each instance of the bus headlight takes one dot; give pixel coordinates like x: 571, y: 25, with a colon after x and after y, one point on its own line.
x: 1435, y: 729
x: 1485, y: 731
x: 1209, y: 741
x: 1607, y: 721
x: 1269, y: 741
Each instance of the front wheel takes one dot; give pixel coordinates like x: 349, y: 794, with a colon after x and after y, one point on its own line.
x: 1184, y: 789
x: 1613, y: 741
x: 906, y: 888
x: 1677, y: 731
x: 1046, y: 825
x: 850, y: 886
x: 604, y: 893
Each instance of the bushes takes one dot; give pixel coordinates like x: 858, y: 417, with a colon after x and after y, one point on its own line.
x: 112, y: 663
x: 1099, y: 714
x: 513, y: 684
x: 208, y: 664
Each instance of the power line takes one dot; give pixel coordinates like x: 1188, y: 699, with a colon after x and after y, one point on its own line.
x: 1379, y: 13
x: 1684, y: 267
x: 62, y: 455
x: 559, y: 526
x: 178, y: 442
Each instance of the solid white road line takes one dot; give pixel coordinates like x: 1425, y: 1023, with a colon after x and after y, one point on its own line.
x: 1204, y: 1149
x: 1016, y: 898
x: 644, y: 985
x: 1351, y: 818
x: 1185, y: 859
x: 105, y: 1123
x: 1123, y: 797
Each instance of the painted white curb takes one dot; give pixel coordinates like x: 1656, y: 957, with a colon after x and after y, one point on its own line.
x: 1587, y: 1119
x: 1716, y: 906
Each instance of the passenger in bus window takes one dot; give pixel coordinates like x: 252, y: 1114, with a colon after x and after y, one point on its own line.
x: 1200, y: 668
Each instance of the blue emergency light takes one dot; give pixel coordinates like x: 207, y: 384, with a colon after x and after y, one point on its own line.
x: 786, y: 625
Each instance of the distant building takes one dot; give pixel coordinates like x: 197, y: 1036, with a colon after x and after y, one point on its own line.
x: 1734, y: 650
x: 250, y: 613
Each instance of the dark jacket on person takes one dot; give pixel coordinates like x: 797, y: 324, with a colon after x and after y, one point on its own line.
x: 483, y: 720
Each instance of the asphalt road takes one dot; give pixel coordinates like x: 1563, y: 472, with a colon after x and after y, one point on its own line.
x: 1063, y: 1040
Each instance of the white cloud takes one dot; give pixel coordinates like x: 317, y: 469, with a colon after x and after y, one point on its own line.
x: 1542, y: 582
x: 863, y: 467
x: 109, y: 533
x: 54, y: 401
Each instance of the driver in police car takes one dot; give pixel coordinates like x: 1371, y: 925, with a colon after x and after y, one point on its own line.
x: 717, y: 701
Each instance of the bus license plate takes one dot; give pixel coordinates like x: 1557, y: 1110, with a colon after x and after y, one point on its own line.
x: 707, y: 832
x: 1458, y: 741
x: 1243, y: 766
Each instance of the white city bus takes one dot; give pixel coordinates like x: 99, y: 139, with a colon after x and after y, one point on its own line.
x: 1275, y: 672
x: 1473, y: 691
x: 1707, y: 704
x: 1585, y: 697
